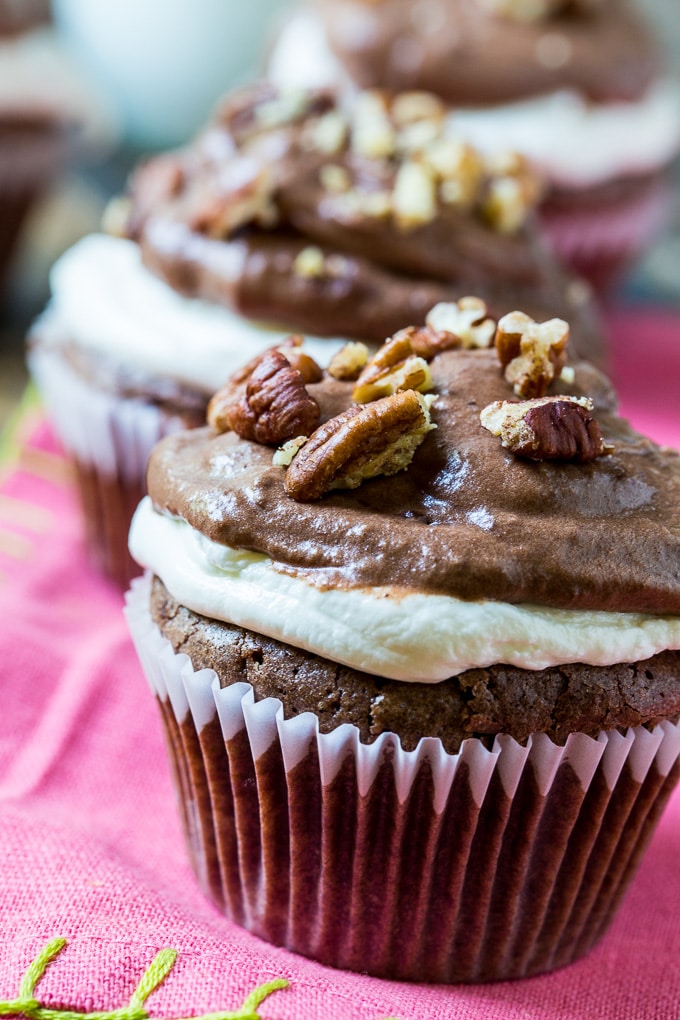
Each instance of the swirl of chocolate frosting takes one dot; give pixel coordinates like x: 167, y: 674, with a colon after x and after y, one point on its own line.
x: 470, y: 52
x: 290, y: 208
x: 466, y: 518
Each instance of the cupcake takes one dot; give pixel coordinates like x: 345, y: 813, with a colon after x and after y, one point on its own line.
x: 32, y: 130
x: 579, y: 87
x: 49, y: 113
x: 286, y: 214
x: 416, y: 649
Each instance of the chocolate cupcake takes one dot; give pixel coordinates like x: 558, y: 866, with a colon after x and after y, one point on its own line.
x: 286, y: 214
x: 419, y: 669
x: 35, y: 123
x: 580, y: 87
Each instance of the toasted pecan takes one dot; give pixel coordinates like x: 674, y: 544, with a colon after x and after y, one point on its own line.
x: 379, y: 438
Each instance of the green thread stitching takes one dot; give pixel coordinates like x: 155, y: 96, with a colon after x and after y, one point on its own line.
x: 28, y: 1006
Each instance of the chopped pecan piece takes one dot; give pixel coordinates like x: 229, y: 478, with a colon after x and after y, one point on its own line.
x: 285, y: 454
x: 548, y: 428
x: 426, y: 342
x: 304, y: 363
x: 466, y: 319
x: 393, y: 368
x: 379, y: 438
x: 412, y: 107
x: 309, y: 263
x: 532, y: 353
x: 459, y: 168
x: 513, y: 192
x: 349, y: 361
x: 275, y: 406
x: 414, y: 200
x: 326, y: 134
x: 373, y: 134
x: 242, y: 194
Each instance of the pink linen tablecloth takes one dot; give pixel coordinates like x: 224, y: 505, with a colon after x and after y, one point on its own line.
x: 90, y: 845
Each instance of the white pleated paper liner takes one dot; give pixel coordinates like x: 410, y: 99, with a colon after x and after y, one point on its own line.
x: 603, y: 243
x: 109, y: 439
x: 414, y: 865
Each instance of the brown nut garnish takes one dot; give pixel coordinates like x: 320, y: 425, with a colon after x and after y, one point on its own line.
x: 348, y: 362
x: 234, y: 389
x: 242, y: 194
x: 466, y: 319
x: 512, y: 192
x: 548, y: 428
x: 532, y: 353
x: 275, y: 406
x: 304, y: 363
x: 379, y: 438
x: 393, y: 368
x: 426, y: 342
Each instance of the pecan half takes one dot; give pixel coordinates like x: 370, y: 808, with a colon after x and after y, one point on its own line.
x: 234, y: 389
x: 379, y: 438
x: 275, y: 406
x: 532, y: 353
x: 393, y: 368
x: 549, y: 428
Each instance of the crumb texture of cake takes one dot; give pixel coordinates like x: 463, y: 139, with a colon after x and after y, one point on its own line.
x: 479, y: 703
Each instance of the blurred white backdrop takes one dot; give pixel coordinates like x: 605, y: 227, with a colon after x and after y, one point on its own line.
x: 164, y: 62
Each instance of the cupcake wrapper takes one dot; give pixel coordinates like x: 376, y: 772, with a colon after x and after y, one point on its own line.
x: 603, y: 244
x: 109, y: 439
x: 413, y: 865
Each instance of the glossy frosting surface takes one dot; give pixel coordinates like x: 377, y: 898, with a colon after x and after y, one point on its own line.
x: 375, y: 274
x: 467, y: 519
x: 466, y: 54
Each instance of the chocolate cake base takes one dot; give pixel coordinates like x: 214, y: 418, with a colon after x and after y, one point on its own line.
x: 479, y: 703
x: 411, y: 865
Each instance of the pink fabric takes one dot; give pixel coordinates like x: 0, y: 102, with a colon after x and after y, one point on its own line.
x: 90, y: 844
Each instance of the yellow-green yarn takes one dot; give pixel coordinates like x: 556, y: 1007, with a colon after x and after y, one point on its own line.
x: 28, y: 1006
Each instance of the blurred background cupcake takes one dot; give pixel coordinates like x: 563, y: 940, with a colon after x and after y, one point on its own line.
x: 581, y: 87
x: 46, y: 113
x: 285, y: 214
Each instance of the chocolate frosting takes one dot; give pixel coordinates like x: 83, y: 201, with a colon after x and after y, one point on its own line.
x: 467, y: 518
x: 469, y: 56
x: 377, y: 275
x: 254, y: 275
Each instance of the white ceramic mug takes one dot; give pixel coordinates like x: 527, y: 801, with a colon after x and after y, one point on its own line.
x: 164, y: 63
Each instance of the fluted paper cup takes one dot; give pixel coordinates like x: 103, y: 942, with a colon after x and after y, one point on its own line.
x: 601, y: 242
x: 415, y: 865
x: 109, y: 439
